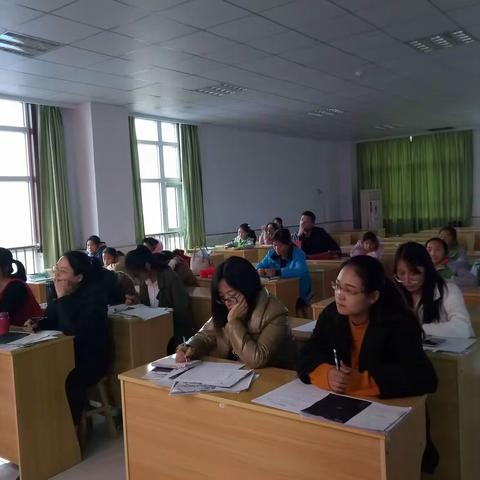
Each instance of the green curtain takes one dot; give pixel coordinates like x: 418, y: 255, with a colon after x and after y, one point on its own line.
x: 56, y: 227
x: 192, y: 187
x: 426, y: 182
x: 137, y: 187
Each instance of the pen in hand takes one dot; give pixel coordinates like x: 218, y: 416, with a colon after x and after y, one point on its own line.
x: 337, y: 366
x: 186, y: 348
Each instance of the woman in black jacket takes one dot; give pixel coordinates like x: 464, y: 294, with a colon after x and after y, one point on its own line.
x: 367, y: 342
x: 80, y: 309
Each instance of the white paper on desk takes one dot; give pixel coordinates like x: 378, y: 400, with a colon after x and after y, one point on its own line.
x: 112, y: 309
x: 144, y: 312
x: 451, y: 345
x: 159, y: 378
x: 185, y: 388
x: 170, y: 362
x: 307, y: 327
x: 33, y: 338
x: 296, y: 395
x: 211, y: 373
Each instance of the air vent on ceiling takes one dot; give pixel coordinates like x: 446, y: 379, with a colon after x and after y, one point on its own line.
x: 442, y: 41
x: 440, y: 129
x: 220, y: 90
x: 25, y: 45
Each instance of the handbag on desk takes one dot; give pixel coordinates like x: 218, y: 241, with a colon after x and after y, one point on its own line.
x: 200, y: 260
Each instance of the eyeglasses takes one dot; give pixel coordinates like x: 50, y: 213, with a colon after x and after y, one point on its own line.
x: 349, y: 292
x: 412, y: 278
x: 232, y: 300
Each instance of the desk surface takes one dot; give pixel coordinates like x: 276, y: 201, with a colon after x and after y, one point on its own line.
x: 224, y: 435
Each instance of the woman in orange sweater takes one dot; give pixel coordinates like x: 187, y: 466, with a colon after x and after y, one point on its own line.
x: 367, y: 342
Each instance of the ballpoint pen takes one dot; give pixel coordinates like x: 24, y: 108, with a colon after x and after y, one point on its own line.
x: 337, y: 366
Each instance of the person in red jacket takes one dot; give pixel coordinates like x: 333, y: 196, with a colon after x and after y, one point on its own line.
x: 16, y: 298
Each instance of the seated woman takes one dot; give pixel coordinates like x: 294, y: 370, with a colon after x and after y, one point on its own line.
x: 180, y: 267
x: 154, y: 245
x: 113, y: 259
x: 278, y: 222
x: 438, y: 251
x: 455, y: 252
x: 266, y: 237
x: 161, y: 287
x: 247, y: 322
x: 16, y: 298
x: 95, y: 248
x: 80, y: 309
x: 245, y: 238
x: 369, y: 245
x: 286, y: 260
x: 367, y: 342
x: 439, y: 305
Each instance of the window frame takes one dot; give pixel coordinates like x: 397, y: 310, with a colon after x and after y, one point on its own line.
x: 164, y: 182
x: 32, y: 172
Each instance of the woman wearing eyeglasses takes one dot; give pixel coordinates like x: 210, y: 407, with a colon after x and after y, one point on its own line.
x: 439, y: 305
x: 80, y: 309
x: 247, y: 322
x: 367, y: 342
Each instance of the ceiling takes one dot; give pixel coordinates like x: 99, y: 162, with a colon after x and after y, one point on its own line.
x: 292, y: 57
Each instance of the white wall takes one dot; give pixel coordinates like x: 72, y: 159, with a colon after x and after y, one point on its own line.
x: 99, y: 173
x: 253, y: 176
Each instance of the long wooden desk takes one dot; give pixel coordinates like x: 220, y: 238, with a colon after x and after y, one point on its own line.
x: 250, y: 254
x: 212, y: 436
x: 287, y: 290
x: 471, y: 295
x: 323, y: 273
x: 136, y: 342
x: 36, y: 427
x: 453, y: 410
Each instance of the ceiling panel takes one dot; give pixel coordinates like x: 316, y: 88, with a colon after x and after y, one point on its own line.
x: 13, y: 15
x: 154, y: 29
x: 235, y: 54
x: 110, y: 43
x: 199, y: 43
x: 283, y: 42
x: 43, y: 5
x: 248, y: 28
x: 421, y: 28
x: 73, y: 56
x: 259, y: 5
x: 104, y: 14
x: 152, y: 5
x: 205, y: 13
x: 56, y: 29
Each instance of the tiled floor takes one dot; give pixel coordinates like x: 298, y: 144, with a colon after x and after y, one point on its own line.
x: 104, y: 459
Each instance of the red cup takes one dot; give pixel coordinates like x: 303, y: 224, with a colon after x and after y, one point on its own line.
x: 4, y: 322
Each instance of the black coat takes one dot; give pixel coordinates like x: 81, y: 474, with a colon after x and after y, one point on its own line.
x: 84, y: 315
x: 391, y: 352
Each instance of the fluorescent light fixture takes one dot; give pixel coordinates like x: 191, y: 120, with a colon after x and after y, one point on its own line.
x: 25, y: 45
x: 442, y: 41
x: 220, y: 90
x: 326, y: 112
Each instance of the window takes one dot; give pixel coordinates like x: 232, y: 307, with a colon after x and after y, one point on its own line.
x: 159, y: 164
x: 18, y: 190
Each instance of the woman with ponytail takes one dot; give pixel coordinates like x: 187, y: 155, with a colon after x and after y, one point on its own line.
x: 16, y: 298
x: 367, y: 342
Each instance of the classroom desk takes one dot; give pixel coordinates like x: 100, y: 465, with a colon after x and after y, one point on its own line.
x: 285, y: 289
x: 453, y: 410
x: 136, y: 342
x: 471, y: 295
x: 342, y: 238
x: 39, y: 290
x: 262, y: 250
x: 318, y: 307
x: 323, y: 273
x: 250, y: 254
x: 36, y: 427
x: 201, y: 304
x: 212, y: 436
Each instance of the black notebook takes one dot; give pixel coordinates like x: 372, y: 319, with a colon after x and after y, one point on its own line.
x: 337, y: 408
x: 11, y: 337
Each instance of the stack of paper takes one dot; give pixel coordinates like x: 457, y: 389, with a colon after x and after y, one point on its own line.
x: 448, y: 345
x: 31, y: 339
x: 309, y: 400
x: 144, y: 312
x: 193, y: 377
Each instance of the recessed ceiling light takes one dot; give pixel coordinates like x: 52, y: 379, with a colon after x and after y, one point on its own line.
x: 220, y: 90
x: 25, y: 45
x: 441, y: 41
